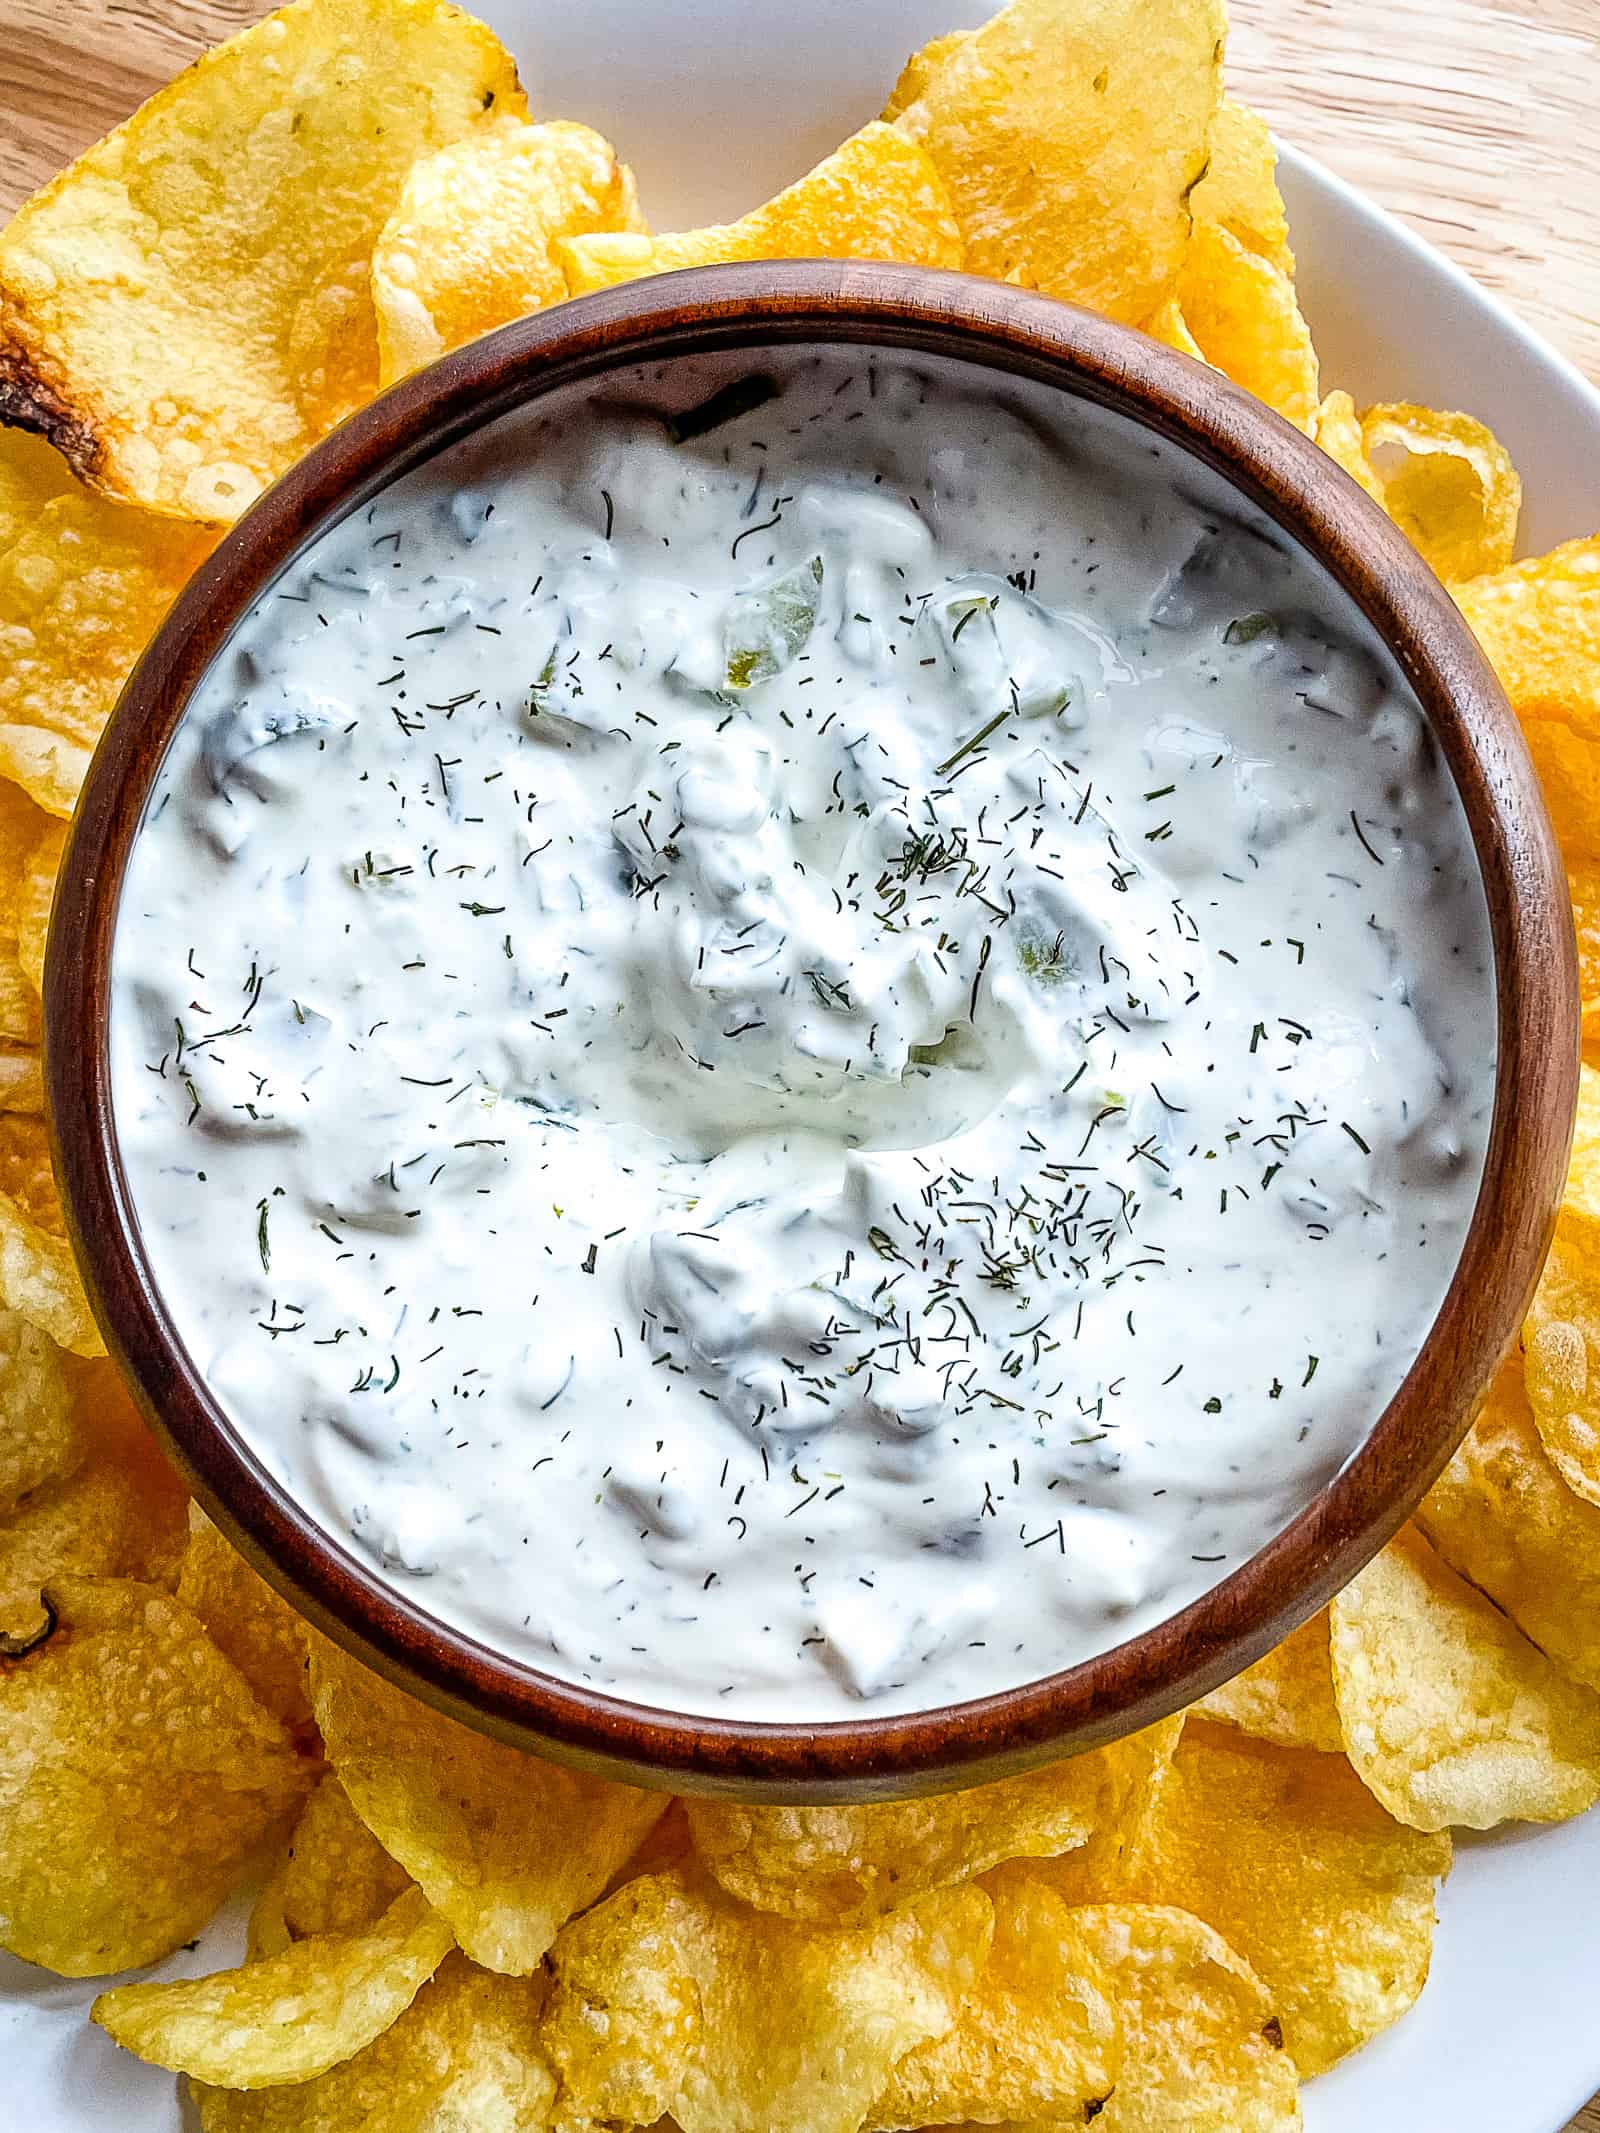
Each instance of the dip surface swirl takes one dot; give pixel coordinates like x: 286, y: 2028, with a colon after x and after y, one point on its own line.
x: 822, y: 1053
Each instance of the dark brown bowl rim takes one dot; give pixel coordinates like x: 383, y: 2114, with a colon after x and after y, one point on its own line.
x: 1284, y: 474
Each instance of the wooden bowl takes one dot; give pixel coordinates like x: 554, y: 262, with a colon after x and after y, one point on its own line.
x: 741, y: 309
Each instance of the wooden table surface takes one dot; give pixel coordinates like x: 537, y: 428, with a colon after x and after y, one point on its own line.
x: 1478, y: 121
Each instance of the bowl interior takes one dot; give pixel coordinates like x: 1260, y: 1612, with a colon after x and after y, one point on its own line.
x: 719, y: 320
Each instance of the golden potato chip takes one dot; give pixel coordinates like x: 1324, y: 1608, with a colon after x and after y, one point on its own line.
x: 1202, y: 2048
x: 291, y: 2017
x: 1583, y: 886
x: 1539, y: 623
x: 1036, y: 2039
x: 505, y: 1845
x: 1242, y: 312
x: 27, y: 1177
x: 1239, y: 191
x: 35, y: 893
x: 1579, y: 1224
x: 1066, y: 173
x: 31, y: 473
x: 1134, y: 1769
x: 1291, y: 1859
x: 246, y: 1620
x: 1448, y: 484
x: 877, y: 197
x: 1337, y: 428
x: 1167, y: 323
x: 185, y: 310
x: 138, y: 1776
x: 847, y: 1864
x: 337, y: 1877
x: 1503, y: 1517
x: 670, y: 1999
x: 39, y: 1278
x: 462, y: 2058
x: 265, y: 1932
x: 469, y: 245
x: 1561, y: 1364
x: 120, y: 1512
x: 919, y: 70
x: 1286, y: 1697
x: 82, y: 587
x: 40, y: 1439
x: 1450, y: 1715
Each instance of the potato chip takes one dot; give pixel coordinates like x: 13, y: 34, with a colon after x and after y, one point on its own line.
x: 1501, y: 1515
x: 27, y: 1177
x: 1448, y: 484
x: 35, y: 893
x: 40, y: 1439
x: 1242, y: 312
x: 1583, y: 886
x: 1291, y: 1859
x: 265, y: 1932
x: 877, y: 197
x: 1036, y: 2039
x: 671, y: 1999
x: 1135, y: 1768
x: 39, y: 1278
x: 337, y: 1877
x: 506, y: 1845
x: 1539, y: 623
x: 31, y: 473
x: 847, y: 1864
x: 83, y: 584
x: 1239, y: 191
x: 120, y: 1512
x: 185, y: 310
x: 1337, y: 428
x: 461, y: 2059
x: 1202, y: 2048
x: 1580, y: 1201
x: 1286, y: 1697
x: 1561, y: 1365
x: 469, y: 245
x: 291, y: 2017
x: 246, y: 1620
x: 1167, y: 323
x: 1450, y: 1715
x: 138, y: 1776
x: 1066, y: 173
x: 919, y: 71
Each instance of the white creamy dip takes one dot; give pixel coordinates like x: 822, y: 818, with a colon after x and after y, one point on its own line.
x: 829, y: 1052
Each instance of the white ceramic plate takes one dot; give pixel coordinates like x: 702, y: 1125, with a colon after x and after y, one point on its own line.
x: 716, y: 103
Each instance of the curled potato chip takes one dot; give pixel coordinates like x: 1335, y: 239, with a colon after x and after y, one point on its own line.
x: 138, y: 1776
x: 1337, y: 428
x: 849, y: 1863
x: 1303, y: 1873
x: 1066, y: 174
x: 1448, y: 484
x: 672, y: 2000
x: 1036, y: 2039
x: 337, y: 1877
x: 35, y: 892
x: 876, y: 197
x: 1202, y: 2048
x: 1286, y: 1697
x: 120, y: 1511
x: 1242, y: 313
x: 246, y: 1620
x: 1167, y: 323
x: 40, y: 1439
x: 919, y: 71
x: 469, y: 245
x: 505, y: 1845
x: 1539, y: 623
x: 186, y: 309
x: 1450, y: 1715
x: 463, y: 2058
x: 1134, y: 1769
x: 290, y: 2017
x: 1561, y: 1366
x: 39, y: 1278
x: 82, y: 588
x: 1239, y: 191
x: 1501, y: 1514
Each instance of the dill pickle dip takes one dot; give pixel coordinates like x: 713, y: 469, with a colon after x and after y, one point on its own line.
x: 803, y: 1042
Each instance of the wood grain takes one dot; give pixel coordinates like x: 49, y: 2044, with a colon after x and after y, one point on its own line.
x: 1473, y: 119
